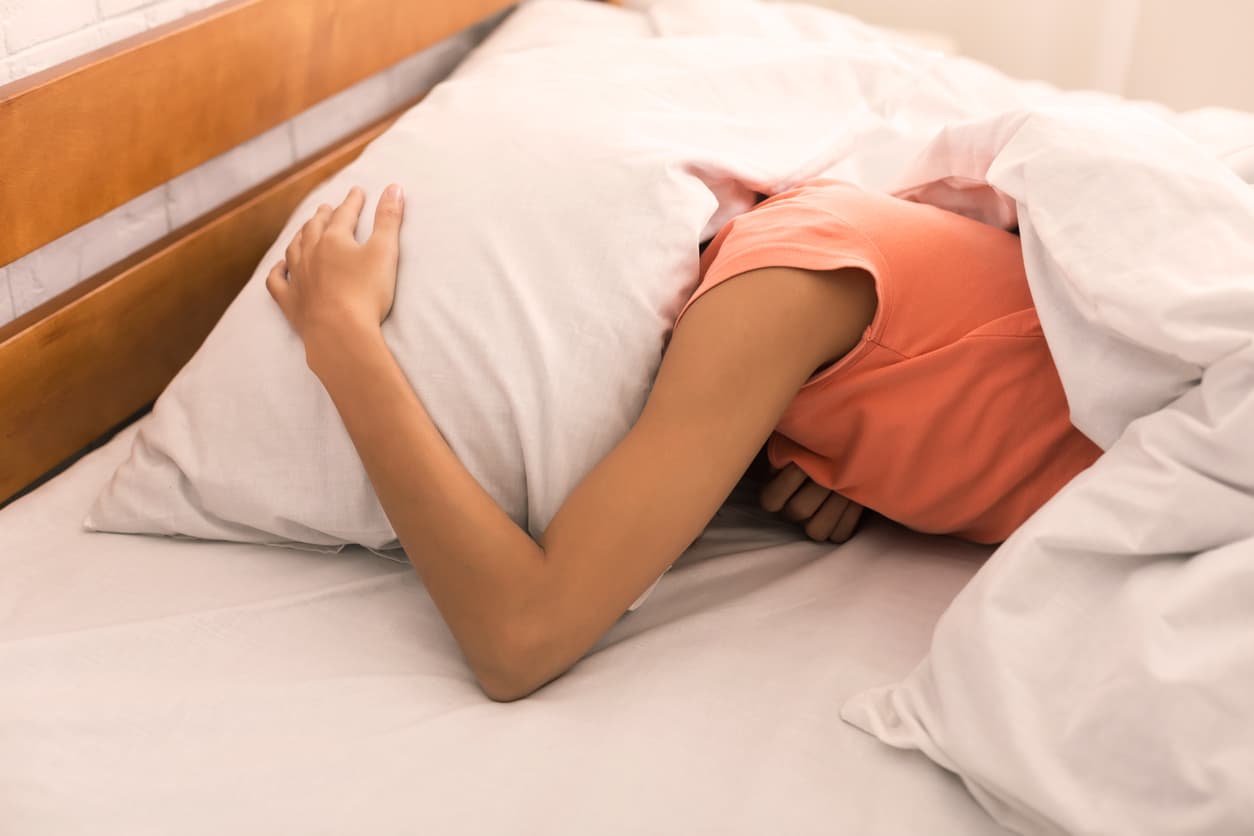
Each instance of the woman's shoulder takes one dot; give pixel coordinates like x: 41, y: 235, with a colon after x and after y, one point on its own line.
x: 820, y: 192
x: 822, y: 212
x: 815, y: 225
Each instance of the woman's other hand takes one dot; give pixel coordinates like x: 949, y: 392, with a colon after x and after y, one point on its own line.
x: 328, y: 284
x: 823, y: 515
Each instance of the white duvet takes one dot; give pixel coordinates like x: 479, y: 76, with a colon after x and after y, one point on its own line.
x: 1097, y: 676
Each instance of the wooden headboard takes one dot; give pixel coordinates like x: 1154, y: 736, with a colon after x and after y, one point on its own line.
x: 85, y: 137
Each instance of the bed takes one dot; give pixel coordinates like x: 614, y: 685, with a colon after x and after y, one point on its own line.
x: 1090, y: 675
x: 164, y: 685
x: 161, y: 686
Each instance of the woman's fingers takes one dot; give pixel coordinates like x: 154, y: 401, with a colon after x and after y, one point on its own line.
x: 387, y: 220
x: 776, y: 493
x: 312, y: 231
x: 824, y: 515
x: 276, y: 283
x: 346, y: 215
x: 821, y: 525
x: 848, y: 522
x: 293, y: 251
x: 805, y: 502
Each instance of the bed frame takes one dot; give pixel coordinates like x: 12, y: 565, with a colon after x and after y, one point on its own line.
x: 84, y: 137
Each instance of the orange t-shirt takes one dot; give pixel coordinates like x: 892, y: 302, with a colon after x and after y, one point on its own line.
x: 948, y: 416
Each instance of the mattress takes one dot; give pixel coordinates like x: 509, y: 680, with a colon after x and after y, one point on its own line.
x: 151, y: 685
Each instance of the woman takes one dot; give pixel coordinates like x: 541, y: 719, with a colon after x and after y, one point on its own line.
x: 886, y: 350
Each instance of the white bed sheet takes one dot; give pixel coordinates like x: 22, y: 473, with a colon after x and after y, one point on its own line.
x: 157, y: 686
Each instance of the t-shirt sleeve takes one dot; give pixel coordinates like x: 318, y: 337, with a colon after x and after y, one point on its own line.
x: 784, y: 233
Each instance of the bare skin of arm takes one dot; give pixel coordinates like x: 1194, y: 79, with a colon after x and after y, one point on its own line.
x: 524, y: 611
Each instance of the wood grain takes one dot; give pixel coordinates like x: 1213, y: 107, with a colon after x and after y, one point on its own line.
x: 86, y: 360
x: 86, y: 136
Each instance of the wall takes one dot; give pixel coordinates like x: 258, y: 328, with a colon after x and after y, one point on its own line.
x: 37, y: 34
x: 40, y: 33
x: 1184, y: 54
x: 1195, y: 53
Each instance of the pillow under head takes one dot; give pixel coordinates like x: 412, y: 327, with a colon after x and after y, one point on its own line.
x: 555, y: 201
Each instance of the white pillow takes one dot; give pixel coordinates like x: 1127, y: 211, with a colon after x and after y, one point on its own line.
x: 555, y: 200
x: 543, y: 23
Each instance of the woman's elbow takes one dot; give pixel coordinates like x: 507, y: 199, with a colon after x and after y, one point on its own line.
x: 516, y: 668
x: 503, y: 691
x: 510, y: 684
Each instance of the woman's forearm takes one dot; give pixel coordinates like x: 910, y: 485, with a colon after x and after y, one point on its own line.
x: 483, y: 572
x: 478, y: 565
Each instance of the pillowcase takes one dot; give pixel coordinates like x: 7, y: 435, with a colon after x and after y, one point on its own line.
x: 544, y: 23
x: 555, y: 200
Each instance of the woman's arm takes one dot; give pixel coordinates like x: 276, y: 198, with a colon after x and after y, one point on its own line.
x: 524, y: 611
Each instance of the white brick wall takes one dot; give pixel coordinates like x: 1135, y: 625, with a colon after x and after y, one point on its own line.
x: 37, y: 34
x: 29, y: 23
x: 6, y: 301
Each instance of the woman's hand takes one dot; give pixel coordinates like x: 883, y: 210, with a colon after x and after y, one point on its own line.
x: 329, y: 285
x: 824, y: 515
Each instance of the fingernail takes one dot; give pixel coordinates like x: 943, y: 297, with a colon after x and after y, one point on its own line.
x: 393, y: 192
